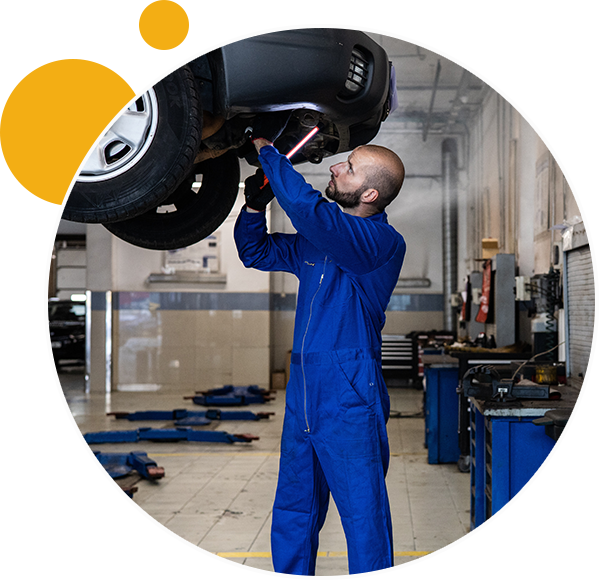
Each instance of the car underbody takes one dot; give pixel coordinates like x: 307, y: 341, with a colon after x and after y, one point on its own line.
x: 194, y: 127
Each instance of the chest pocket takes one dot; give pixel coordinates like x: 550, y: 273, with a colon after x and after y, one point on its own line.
x: 336, y: 289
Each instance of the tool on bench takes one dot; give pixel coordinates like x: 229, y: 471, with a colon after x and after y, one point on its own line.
x: 486, y: 383
x: 167, y: 435
x: 184, y: 417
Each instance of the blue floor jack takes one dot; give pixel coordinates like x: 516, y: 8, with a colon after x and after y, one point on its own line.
x: 230, y: 395
x: 166, y: 435
x: 121, y: 465
x: 184, y: 417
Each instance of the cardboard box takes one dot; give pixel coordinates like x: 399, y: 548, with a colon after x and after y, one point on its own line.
x: 490, y: 247
x: 277, y: 380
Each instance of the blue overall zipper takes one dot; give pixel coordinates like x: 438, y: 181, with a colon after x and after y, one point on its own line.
x: 304, y: 340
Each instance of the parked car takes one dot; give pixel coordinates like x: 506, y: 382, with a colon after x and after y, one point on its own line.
x: 67, y: 332
x: 194, y: 126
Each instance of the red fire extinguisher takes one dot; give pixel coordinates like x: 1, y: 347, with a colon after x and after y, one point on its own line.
x: 485, y: 298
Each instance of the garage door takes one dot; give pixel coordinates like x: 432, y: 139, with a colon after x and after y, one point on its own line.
x: 580, y: 296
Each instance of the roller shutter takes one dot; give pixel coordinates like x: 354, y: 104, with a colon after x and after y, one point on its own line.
x: 580, y: 297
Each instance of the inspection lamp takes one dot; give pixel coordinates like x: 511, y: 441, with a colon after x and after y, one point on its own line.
x: 302, y: 142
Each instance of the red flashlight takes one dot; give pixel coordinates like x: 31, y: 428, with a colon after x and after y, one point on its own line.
x: 302, y: 142
x: 296, y: 149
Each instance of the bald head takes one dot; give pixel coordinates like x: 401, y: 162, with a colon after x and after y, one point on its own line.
x: 385, y: 172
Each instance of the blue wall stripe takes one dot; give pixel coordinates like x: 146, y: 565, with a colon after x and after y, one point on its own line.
x: 193, y: 300
x: 416, y: 303
x: 243, y: 301
x: 280, y: 302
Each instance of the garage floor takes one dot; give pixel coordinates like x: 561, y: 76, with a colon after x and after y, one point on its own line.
x: 219, y: 496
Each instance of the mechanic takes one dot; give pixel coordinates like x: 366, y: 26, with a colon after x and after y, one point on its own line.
x: 334, y: 433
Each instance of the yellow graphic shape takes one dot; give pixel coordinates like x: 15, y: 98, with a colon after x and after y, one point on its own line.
x: 164, y: 25
x: 53, y: 117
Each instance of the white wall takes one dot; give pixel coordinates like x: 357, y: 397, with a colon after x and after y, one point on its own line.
x: 120, y: 266
x: 513, y: 182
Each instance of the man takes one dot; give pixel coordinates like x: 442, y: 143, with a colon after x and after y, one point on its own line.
x: 334, y: 434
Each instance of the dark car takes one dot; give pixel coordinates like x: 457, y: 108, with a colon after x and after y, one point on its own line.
x: 194, y: 126
x: 67, y: 332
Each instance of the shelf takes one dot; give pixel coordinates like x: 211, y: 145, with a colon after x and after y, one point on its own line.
x: 187, y: 278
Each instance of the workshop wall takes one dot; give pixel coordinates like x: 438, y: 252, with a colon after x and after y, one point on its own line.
x: 516, y: 191
x: 178, y: 335
x: 516, y: 194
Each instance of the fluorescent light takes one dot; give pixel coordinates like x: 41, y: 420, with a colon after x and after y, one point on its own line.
x: 78, y: 297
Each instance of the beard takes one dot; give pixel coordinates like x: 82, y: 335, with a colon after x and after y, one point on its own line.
x: 346, y: 199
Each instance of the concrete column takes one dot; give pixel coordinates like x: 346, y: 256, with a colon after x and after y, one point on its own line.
x: 99, y: 320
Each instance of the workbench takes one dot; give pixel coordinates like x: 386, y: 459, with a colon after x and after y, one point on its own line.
x: 469, y: 358
x: 507, y: 448
x: 441, y: 413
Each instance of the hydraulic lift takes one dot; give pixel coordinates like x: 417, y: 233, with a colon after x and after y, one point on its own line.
x: 167, y: 435
x: 121, y: 467
x: 120, y: 464
x: 185, y: 417
x: 230, y: 395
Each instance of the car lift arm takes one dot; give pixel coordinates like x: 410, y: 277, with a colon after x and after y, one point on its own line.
x: 184, y: 417
x: 230, y: 395
x: 120, y: 464
x: 160, y: 435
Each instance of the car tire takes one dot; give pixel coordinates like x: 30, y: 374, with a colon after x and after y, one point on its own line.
x: 186, y: 217
x: 160, y: 159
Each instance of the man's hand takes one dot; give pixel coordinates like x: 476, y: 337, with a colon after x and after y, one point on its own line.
x: 258, y: 193
x: 259, y: 143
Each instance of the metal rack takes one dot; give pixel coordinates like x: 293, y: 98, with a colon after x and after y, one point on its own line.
x: 399, y: 359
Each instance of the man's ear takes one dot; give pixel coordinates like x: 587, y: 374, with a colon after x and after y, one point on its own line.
x: 369, y: 196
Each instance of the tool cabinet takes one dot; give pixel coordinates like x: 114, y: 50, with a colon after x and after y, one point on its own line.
x: 441, y: 408
x: 506, y: 451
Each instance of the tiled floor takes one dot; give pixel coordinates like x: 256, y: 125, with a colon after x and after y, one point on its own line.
x: 219, y: 496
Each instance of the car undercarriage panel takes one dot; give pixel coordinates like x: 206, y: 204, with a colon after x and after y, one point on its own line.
x: 341, y: 73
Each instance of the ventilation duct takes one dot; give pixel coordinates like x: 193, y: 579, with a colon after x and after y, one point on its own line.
x: 450, y: 238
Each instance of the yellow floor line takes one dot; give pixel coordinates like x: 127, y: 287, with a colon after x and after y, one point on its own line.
x: 254, y: 454
x: 243, y: 554
x: 217, y: 454
x: 319, y: 554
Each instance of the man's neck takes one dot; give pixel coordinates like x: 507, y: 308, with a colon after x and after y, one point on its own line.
x: 362, y: 210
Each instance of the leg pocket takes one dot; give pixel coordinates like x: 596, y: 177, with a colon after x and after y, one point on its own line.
x: 358, y: 382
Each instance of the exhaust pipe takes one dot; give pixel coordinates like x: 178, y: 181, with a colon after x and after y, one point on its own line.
x: 450, y: 237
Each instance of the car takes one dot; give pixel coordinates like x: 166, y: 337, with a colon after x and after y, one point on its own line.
x: 67, y: 332
x: 194, y: 126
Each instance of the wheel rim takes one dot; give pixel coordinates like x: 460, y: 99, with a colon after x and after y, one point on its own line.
x: 125, y: 143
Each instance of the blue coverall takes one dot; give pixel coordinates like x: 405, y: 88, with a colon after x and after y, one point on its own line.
x: 334, y: 433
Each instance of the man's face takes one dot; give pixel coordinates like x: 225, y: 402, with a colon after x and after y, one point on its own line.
x: 347, y: 179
